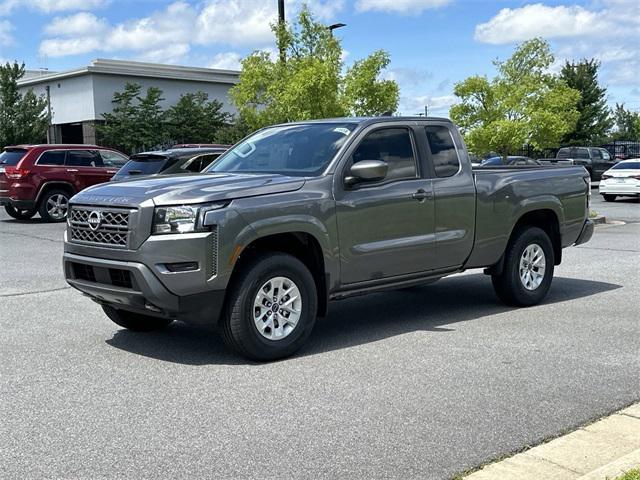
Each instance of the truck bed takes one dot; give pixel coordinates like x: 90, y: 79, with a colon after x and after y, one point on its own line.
x: 504, y: 193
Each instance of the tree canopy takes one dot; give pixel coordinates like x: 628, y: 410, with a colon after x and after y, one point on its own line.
x: 307, y: 81
x: 523, y: 104
x: 627, y: 124
x: 23, y: 117
x: 139, y: 122
x: 595, y: 119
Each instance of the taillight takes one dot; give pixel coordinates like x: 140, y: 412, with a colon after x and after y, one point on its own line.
x: 15, y: 173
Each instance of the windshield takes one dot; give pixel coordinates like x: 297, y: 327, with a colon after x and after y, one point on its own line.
x: 146, y: 165
x: 627, y: 166
x: 11, y: 157
x: 298, y: 150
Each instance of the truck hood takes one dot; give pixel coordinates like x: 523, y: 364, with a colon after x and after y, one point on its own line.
x: 188, y: 188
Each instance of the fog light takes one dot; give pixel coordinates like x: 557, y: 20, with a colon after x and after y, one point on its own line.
x: 181, y: 266
x: 152, y: 307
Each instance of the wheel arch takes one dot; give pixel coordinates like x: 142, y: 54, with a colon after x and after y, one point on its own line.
x: 54, y: 185
x: 302, y: 245
x: 544, y: 218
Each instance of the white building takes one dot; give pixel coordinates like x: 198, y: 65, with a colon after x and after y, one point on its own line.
x: 78, y: 98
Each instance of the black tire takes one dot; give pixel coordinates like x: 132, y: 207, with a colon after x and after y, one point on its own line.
x: 609, y: 198
x: 136, y: 322
x: 19, y: 213
x: 239, y: 330
x: 508, y: 285
x: 44, y: 210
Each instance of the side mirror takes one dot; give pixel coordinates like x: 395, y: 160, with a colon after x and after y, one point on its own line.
x: 366, y: 171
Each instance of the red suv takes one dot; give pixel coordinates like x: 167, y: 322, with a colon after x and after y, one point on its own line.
x: 42, y: 178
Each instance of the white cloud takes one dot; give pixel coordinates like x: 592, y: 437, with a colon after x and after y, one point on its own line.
x: 609, y: 33
x: 60, y: 47
x: 80, y: 24
x: 226, y: 61
x: 405, y: 7
x: 168, y: 34
x: 518, y: 24
x: 6, y: 38
x: 50, y: 6
x: 436, y: 105
x: 236, y: 22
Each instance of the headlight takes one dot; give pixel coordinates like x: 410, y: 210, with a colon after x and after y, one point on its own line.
x: 181, y: 219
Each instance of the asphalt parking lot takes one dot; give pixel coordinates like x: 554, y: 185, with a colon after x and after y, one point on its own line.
x: 414, y: 384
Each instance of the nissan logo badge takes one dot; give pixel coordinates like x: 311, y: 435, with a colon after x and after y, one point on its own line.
x: 94, y: 220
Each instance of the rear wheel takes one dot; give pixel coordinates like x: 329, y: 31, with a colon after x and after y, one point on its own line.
x: 528, y: 268
x: 272, y: 308
x: 135, y: 321
x: 54, y: 206
x: 609, y: 198
x: 19, y: 213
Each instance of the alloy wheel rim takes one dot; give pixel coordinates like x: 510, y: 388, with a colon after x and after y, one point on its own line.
x: 277, y: 308
x: 57, y: 206
x: 532, y: 266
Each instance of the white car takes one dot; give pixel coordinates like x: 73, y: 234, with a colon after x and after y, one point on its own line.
x: 621, y: 180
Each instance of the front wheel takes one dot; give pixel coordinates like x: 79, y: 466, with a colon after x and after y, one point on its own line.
x: 136, y: 322
x: 528, y: 268
x: 609, y: 198
x: 272, y: 308
x: 19, y: 213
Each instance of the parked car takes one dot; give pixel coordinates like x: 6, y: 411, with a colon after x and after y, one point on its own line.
x: 300, y: 214
x: 621, y: 180
x: 202, y: 145
x: 511, y: 160
x: 42, y: 178
x: 595, y: 159
x: 167, y: 162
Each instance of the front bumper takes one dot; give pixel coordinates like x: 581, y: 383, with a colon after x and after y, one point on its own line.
x: 586, y: 233
x: 133, y: 286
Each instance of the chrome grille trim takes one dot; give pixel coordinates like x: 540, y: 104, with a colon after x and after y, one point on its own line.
x: 114, y: 230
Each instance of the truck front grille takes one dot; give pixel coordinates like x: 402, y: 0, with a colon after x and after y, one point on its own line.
x: 214, y: 251
x: 108, y: 227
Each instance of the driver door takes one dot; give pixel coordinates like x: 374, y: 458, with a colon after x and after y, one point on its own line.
x: 386, y: 228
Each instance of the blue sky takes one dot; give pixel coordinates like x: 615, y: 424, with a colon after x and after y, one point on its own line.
x: 433, y: 43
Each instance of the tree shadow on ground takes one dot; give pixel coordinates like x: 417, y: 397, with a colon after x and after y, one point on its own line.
x: 360, y: 320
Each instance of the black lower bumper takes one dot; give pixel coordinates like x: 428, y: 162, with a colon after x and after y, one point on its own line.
x: 133, y: 287
x: 586, y: 233
x: 21, y: 204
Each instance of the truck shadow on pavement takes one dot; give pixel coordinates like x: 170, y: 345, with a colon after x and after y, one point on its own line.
x: 360, y: 320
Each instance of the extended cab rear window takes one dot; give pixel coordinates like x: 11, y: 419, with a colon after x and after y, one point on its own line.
x: 12, y: 157
x: 144, y: 165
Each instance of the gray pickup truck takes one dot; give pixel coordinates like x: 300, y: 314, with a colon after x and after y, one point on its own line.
x: 297, y: 215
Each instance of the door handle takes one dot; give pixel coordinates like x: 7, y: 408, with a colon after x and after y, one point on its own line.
x: 112, y: 172
x: 421, y: 195
x: 72, y: 169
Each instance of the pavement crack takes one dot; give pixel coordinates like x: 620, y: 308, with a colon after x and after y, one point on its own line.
x: 33, y: 293
x: 31, y: 236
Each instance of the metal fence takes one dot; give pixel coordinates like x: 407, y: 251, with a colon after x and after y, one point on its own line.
x: 618, y: 149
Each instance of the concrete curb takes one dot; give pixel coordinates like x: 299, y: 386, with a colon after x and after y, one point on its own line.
x: 604, y: 449
x: 599, y: 219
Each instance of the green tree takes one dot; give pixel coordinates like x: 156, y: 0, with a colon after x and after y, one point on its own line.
x: 595, y: 119
x: 195, y: 118
x: 23, y: 117
x: 627, y: 124
x: 523, y: 104
x: 234, y: 131
x: 308, y: 82
x: 149, y: 120
x: 119, y: 127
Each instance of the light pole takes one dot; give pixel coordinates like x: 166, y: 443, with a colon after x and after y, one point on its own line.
x: 335, y: 26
